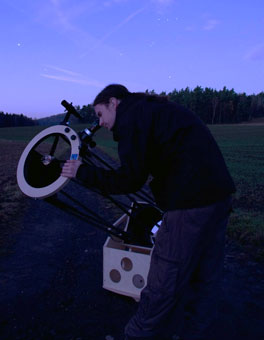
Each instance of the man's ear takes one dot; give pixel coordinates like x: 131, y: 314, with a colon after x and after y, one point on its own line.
x: 114, y: 102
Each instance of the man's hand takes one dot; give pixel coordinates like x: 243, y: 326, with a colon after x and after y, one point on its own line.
x: 70, y: 168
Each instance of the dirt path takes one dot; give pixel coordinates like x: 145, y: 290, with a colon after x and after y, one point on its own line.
x: 51, y: 283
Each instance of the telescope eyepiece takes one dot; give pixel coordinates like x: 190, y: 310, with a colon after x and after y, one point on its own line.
x: 87, y: 134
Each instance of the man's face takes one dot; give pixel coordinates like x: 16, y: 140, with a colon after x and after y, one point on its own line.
x: 107, y: 113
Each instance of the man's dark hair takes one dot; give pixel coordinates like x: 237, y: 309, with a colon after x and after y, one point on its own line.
x: 114, y: 90
x: 120, y: 92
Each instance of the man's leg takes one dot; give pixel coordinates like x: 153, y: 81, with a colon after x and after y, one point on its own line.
x: 179, y: 246
x: 162, y: 291
x: 205, y: 281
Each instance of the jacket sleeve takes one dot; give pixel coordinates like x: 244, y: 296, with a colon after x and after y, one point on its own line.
x: 134, y: 152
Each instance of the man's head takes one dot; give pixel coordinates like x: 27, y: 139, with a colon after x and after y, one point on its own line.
x: 107, y: 113
x: 106, y: 102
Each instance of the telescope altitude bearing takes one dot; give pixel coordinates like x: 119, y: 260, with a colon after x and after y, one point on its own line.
x: 39, y: 167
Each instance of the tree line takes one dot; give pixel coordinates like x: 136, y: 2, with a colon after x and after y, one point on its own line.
x: 219, y: 107
x: 212, y: 106
x: 12, y: 119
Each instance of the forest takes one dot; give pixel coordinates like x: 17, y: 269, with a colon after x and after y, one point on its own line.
x: 219, y: 107
x: 212, y: 106
x: 12, y: 119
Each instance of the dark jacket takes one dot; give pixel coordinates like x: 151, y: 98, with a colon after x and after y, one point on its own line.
x: 162, y: 139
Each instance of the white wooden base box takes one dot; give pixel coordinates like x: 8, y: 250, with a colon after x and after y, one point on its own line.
x: 125, y: 268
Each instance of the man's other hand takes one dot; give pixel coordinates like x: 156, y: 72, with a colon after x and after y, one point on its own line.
x: 70, y: 168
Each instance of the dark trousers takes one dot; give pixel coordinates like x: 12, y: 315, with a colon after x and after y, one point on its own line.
x: 188, y: 257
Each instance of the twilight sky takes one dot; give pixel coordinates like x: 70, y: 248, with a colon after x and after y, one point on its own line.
x: 70, y: 49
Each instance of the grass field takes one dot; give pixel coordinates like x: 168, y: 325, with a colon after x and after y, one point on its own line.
x: 241, y: 145
x: 243, y: 150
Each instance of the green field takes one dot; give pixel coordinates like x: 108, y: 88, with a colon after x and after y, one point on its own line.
x: 243, y: 150
x: 25, y: 133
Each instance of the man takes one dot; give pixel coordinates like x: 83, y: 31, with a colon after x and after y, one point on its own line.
x: 190, y: 183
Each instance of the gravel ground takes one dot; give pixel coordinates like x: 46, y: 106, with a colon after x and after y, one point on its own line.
x: 51, y: 282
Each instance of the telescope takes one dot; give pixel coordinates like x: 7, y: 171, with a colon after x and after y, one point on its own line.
x: 128, y: 247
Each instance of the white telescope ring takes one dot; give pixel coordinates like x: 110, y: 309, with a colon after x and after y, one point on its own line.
x: 57, y: 185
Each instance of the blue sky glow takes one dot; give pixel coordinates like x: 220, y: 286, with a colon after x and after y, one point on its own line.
x: 70, y: 49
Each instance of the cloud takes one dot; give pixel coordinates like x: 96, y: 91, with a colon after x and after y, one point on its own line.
x: 61, y: 16
x: 64, y: 16
x: 71, y: 73
x: 109, y: 3
x: 73, y: 80
x: 211, y: 24
x: 70, y: 76
x: 190, y: 28
x: 14, y: 6
x: 67, y: 18
x: 117, y: 27
x: 164, y: 2
x: 162, y: 6
x: 255, y: 53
